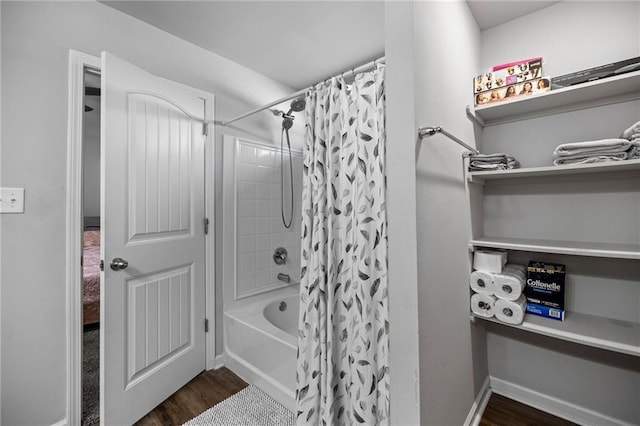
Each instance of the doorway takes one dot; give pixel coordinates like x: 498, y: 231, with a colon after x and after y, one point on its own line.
x: 85, y: 173
x: 91, y: 248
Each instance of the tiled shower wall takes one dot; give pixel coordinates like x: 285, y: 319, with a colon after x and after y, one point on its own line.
x: 260, y: 226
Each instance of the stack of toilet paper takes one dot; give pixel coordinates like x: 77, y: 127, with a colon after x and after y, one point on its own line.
x: 497, y: 287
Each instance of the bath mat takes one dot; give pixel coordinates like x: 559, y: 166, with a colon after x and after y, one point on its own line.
x: 249, y: 407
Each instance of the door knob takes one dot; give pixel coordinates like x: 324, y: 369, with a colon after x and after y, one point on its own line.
x: 118, y: 264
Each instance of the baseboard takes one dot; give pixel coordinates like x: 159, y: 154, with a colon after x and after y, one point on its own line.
x: 219, y: 362
x: 477, y: 409
x: 552, y: 405
x: 253, y: 376
x: 62, y: 422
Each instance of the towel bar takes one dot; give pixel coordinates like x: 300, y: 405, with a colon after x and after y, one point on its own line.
x: 430, y: 131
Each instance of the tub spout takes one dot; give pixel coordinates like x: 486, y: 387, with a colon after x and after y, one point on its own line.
x: 284, y: 277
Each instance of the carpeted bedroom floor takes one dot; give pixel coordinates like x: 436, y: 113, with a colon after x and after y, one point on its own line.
x: 91, y: 375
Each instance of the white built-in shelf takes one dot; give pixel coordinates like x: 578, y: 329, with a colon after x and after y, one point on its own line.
x: 575, y: 248
x: 590, y: 330
x: 595, y: 170
x: 624, y: 87
x: 599, y: 332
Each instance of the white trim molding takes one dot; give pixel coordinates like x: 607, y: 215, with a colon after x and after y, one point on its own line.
x: 78, y: 62
x: 210, y: 238
x: 552, y: 405
x: 479, y: 405
x: 0, y: 229
x: 219, y: 361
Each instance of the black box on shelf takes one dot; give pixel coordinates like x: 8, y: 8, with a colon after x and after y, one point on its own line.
x: 545, y: 289
x: 596, y: 73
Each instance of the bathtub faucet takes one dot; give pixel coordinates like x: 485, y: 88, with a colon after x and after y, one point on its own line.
x: 284, y: 277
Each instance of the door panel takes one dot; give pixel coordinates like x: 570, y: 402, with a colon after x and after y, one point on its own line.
x: 159, y: 175
x: 152, y: 315
x: 159, y: 311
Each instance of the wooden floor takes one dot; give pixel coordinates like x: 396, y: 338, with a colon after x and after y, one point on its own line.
x: 200, y: 394
x: 503, y: 411
x: 211, y: 387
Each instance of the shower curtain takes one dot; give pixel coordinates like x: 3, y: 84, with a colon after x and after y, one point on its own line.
x: 343, y: 344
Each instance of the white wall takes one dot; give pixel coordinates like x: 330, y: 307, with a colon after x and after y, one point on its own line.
x: 429, y: 213
x: 401, y: 218
x: 452, y: 367
x: 36, y: 37
x: 571, y: 36
x: 252, y: 219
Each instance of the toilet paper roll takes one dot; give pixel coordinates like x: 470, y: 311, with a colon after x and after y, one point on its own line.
x: 481, y: 282
x: 509, y: 284
x: 482, y: 305
x: 489, y: 260
x: 514, y: 267
x: 511, y: 312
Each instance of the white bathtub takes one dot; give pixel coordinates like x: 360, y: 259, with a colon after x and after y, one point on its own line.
x: 261, y: 343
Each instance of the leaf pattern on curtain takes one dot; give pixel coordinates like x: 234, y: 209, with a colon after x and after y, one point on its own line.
x: 343, y: 343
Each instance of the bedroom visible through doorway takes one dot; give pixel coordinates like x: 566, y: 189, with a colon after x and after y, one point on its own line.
x: 91, y: 249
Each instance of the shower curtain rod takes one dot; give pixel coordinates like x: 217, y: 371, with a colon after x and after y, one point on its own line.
x: 353, y: 71
x: 430, y: 131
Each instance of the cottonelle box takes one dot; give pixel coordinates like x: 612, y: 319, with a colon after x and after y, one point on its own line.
x: 545, y: 290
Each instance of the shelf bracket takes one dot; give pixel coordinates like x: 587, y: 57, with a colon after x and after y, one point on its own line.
x: 471, y: 116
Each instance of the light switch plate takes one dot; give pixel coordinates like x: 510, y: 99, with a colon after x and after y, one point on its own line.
x: 11, y: 200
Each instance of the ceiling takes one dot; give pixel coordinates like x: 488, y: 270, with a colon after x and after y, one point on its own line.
x: 289, y: 41
x: 489, y: 13
x: 295, y: 42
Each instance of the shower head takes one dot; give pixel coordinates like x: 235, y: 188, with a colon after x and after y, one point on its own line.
x: 297, y: 105
x: 287, y: 122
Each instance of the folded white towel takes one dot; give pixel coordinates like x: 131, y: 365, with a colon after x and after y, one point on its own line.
x: 628, y: 133
x: 490, y: 158
x: 587, y: 148
x: 635, y: 137
x: 498, y: 161
x: 512, y: 163
x: 620, y: 155
x: 478, y: 166
x: 581, y: 159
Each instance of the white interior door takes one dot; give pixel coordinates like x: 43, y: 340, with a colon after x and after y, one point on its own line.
x: 153, y: 206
